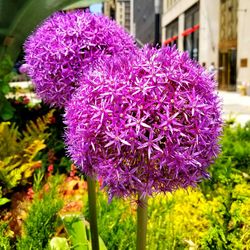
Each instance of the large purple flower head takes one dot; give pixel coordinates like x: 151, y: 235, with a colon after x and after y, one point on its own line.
x: 66, y: 46
x: 153, y: 127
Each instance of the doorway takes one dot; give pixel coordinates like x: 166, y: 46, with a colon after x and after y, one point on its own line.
x: 227, y: 69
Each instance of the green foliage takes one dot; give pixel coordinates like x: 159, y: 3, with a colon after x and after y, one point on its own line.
x: 41, y: 222
x: 170, y: 226
x: 229, y: 214
x: 59, y: 243
x: 3, y: 200
x: 233, y: 162
x: 185, y: 219
x: 56, y: 146
x: 6, y: 110
x: 9, y: 139
x: 55, y: 153
x: 76, y: 230
x: 38, y: 180
x: 6, y: 74
x: 12, y: 141
x: 116, y: 222
x: 236, y: 144
x: 16, y: 169
x: 18, y: 150
x: 228, y: 192
x: 26, y: 111
x: 4, y: 237
x: 215, y: 239
x: 37, y: 129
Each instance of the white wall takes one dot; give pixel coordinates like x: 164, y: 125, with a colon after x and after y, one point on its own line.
x: 209, y: 31
x: 181, y: 25
x: 177, y: 9
x: 243, y: 41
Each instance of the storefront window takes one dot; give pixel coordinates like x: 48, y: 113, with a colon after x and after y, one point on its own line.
x: 191, y: 34
x: 172, y: 33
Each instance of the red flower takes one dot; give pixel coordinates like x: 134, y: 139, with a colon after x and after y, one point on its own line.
x: 50, y: 168
x: 52, y: 120
x: 30, y: 193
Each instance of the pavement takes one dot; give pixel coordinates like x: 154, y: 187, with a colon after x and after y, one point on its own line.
x: 235, y: 106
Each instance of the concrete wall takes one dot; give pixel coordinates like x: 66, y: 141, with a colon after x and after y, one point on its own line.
x: 243, y: 41
x: 209, y: 31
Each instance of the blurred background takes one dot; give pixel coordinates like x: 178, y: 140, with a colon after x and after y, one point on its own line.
x: 214, y: 32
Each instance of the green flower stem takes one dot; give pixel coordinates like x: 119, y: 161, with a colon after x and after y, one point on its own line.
x: 92, y: 212
x: 141, y: 223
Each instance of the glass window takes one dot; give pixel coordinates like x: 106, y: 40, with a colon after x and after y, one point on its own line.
x: 191, y: 36
x: 172, y: 33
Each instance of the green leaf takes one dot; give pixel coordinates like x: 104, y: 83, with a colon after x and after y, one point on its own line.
x: 59, y: 243
x: 5, y: 88
x: 75, y: 227
x: 6, y: 111
x: 6, y: 66
x: 4, y: 201
x: 102, y: 245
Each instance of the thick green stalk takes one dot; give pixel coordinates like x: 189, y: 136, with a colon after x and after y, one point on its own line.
x: 141, y: 223
x: 92, y: 213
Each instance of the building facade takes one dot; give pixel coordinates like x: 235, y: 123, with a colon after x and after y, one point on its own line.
x: 243, y: 44
x: 144, y: 21
x: 109, y: 8
x: 212, y: 31
x: 136, y: 16
x: 123, y: 14
x: 121, y: 11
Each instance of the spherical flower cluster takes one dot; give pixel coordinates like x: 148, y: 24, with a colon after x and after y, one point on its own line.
x: 150, y: 126
x: 66, y: 46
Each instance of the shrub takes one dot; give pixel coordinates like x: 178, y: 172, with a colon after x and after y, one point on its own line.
x: 4, y: 238
x: 18, y: 151
x: 236, y: 144
x: 116, y: 222
x: 6, y: 74
x: 41, y: 222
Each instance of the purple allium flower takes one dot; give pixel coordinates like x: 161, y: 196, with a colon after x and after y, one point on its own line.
x: 24, y: 68
x: 148, y: 126
x: 66, y: 46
